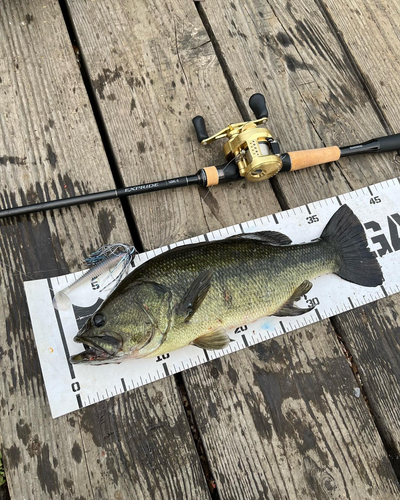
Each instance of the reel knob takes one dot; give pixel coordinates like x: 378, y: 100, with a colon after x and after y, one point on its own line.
x: 258, y: 106
x: 200, y: 127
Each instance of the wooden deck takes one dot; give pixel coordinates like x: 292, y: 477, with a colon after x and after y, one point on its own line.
x: 94, y: 93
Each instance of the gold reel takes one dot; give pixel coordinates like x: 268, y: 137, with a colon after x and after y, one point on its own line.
x: 255, y: 151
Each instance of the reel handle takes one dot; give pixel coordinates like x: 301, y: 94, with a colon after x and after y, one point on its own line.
x: 258, y: 106
x: 200, y: 127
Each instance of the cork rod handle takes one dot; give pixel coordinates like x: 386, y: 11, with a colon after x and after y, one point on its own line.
x: 311, y: 157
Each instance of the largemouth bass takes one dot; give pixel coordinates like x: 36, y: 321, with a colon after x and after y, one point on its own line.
x: 194, y: 294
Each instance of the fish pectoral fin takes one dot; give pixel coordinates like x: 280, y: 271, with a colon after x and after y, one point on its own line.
x: 273, y: 238
x: 217, y: 339
x: 194, y: 296
x: 289, y: 308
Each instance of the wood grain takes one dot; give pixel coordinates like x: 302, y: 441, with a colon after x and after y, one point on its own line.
x: 374, y: 344
x: 290, y: 53
x: 138, y: 444
x: 370, y: 30
x: 141, y: 45
x: 283, y: 416
x: 166, y: 73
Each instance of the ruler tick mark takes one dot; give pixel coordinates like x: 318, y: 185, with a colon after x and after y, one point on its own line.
x: 384, y: 291
x: 166, y: 369
x: 62, y: 333
x: 282, y: 326
x: 275, y: 218
x: 338, y: 199
x: 123, y: 384
x: 308, y: 209
x: 245, y: 341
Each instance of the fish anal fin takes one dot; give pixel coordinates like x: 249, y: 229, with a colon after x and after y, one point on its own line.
x: 289, y: 308
x: 215, y: 340
x: 194, y: 295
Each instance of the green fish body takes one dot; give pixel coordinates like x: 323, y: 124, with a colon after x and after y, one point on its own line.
x: 194, y: 294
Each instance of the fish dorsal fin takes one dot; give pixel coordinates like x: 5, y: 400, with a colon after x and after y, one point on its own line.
x: 217, y: 339
x: 289, y: 308
x: 194, y: 296
x: 273, y: 238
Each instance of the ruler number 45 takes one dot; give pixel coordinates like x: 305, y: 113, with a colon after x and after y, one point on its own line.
x: 374, y: 200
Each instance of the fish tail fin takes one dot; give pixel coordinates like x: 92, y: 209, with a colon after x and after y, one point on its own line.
x: 345, y: 233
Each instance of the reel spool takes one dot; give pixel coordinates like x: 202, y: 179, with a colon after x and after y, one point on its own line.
x: 254, y: 149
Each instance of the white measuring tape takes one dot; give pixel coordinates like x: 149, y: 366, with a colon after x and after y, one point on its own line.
x: 70, y: 387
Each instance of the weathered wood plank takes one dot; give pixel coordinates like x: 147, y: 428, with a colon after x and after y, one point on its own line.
x: 151, y: 77
x: 137, y: 445
x: 125, y: 44
x: 303, y: 66
x: 374, y: 344
x: 370, y: 30
x: 352, y: 114
x: 281, y: 421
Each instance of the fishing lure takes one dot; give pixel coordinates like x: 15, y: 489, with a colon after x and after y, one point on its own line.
x: 107, y: 259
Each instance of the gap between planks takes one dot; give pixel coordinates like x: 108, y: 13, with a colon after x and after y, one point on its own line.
x: 135, y: 236
x: 390, y: 449
x: 243, y: 108
x: 98, y: 116
x: 245, y: 113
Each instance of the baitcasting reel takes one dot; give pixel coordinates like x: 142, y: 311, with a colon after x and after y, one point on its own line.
x: 258, y: 155
x: 254, y: 149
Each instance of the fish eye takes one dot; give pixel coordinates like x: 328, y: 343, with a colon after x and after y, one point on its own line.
x: 99, y: 319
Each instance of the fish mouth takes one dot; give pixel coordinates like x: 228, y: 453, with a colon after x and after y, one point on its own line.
x: 98, y: 350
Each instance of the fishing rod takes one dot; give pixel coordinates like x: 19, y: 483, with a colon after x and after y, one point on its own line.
x: 251, y: 152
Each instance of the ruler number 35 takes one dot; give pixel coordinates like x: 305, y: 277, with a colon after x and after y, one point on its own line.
x: 312, y: 219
